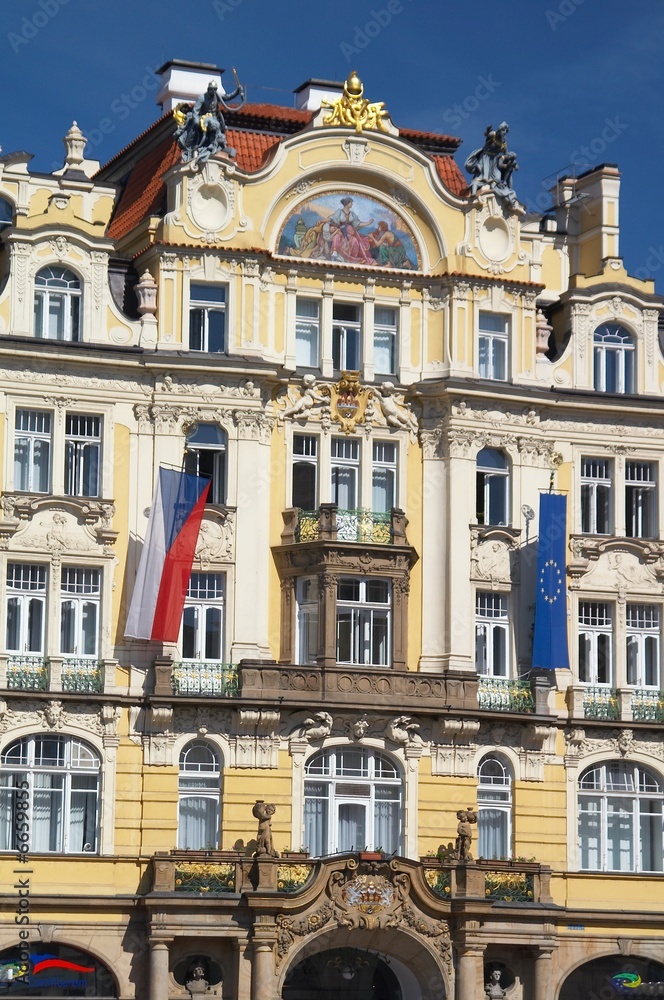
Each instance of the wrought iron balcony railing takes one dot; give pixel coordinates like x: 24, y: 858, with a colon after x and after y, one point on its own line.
x: 81, y: 673
x: 647, y: 705
x: 329, y: 523
x: 27, y: 672
x: 205, y: 677
x: 601, y: 703
x: 504, y: 694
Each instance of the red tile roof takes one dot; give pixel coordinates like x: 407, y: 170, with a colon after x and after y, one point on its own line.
x: 255, y: 131
x: 145, y: 189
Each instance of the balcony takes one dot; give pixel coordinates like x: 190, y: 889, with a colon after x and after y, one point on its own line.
x: 329, y: 523
x: 205, y: 678
x: 72, y: 674
x: 601, y: 703
x: 647, y: 705
x: 504, y: 694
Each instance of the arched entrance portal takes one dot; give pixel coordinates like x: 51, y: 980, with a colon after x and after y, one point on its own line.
x: 350, y: 972
x: 614, y: 976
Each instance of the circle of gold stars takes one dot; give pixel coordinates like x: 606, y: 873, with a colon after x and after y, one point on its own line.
x: 557, y: 582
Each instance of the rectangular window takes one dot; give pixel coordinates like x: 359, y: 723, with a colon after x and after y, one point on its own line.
x: 492, y: 627
x: 643, y: 644
x: 26, y: 608
x: 492, y: 346
x: 596, y: 486
x: 207, y: 318
x: 205, y: 455
x: 32, y: 451
x: 385, y: 340
x: 640, y: 500
x: 203, y: 618
x: 345, y: 473
x: 384, y: 476
x: 346, y: 337
x: 595, y: 643
x: 82, y: 455
x: 307, y: 333
x: 79, y: 611
x: 305, y: 471
x: 307, y: 620
x: 364, y: 621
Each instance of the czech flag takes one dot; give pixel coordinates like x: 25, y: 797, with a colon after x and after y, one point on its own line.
x: 166, y: 560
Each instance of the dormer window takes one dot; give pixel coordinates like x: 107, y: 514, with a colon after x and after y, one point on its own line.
x: 614, y: 358
x: 57, y: 304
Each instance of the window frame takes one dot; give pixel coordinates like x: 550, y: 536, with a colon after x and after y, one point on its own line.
x: 364, y: 616
x: 590, y: 633
x: 24, y: 597
x: 218, y: 460
x: 78, y: 448
x: 203, y: 605
x: 339, y: 463
x: 314, y: 325
x: 71, y: 298
x: 592, y: 482
x: 300, y: 460
x: 495, y: 628
x: 26, y: 483
x: 389, y: 468
x: 638, y: 793
x: 342, y: 329
x: 625, y: 359
x: 503, y: 804
x: 205, y: 307
x: 207, y: 793
x: 642, y: 637
x: 391, y: 332
x: 27, y: 769
x: 488, y: 479
x: 78, y: 599
x: 488, y: 341
x: 641, y: 500
x: 340, y: 782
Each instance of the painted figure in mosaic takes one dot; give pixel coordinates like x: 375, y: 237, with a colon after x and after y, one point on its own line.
x: 493, y: 166
x: 264, y: 811
x: 464, y: 838
x: 201, y: 131
x: 386, y: 247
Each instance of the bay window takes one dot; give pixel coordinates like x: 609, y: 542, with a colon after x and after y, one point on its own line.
x: 307, y: 620
x: 614, y: 358
x: 57, y: 304
x: 364, y: 607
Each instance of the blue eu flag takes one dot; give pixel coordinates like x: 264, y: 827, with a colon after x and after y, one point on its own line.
x: 550, y: 639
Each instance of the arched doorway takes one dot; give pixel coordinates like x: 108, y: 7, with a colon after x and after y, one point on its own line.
x: 352, y: 972
x: 613, y: 976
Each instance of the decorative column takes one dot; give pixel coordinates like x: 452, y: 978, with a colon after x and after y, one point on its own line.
x: 158, y: 970
x: 469, y: 973
x: 543, y: 973
x: 262, y: 975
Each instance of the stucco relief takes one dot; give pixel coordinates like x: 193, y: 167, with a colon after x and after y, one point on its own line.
x: 614, y: 743
x: 53, y: 528
x: 216, y: 539
x: 614, y: 566
x: 54, y: 716
x: 492, y: 237
x: 368, y: 897
x: 494, y: 556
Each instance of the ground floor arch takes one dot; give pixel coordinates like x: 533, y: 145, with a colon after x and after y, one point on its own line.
x: 360, y: 964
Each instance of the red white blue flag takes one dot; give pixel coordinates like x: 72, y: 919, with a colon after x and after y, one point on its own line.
x: 166, y: 560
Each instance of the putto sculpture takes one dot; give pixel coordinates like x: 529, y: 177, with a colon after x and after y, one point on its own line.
x: 493, y: 165
x: 201, y: 130
x: 464, y: 837
x: 264, y: 811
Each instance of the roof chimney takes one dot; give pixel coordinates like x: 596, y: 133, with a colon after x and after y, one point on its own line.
x: 185, y: 81
x: 310, y: 95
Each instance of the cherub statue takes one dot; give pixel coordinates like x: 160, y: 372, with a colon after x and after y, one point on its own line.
x: 311, y: 396
x: 465, y: 833
x: 396, y: 415
x: 264, y: 811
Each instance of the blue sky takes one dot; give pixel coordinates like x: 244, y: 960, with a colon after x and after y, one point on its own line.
x: 577, y: 80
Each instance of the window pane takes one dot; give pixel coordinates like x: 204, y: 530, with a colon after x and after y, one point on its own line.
x: 352, y: 832
x: 216, y: 331
x: 386, y: 824
x: 189, y: 633
x: 383, y: 490
x: 589, y: 833
x: 197, y: 823
x: 304, y: 485
x: 213, y: 634
x: 196, y: 329
x: 316, y: 818
x: 603, y: 659
x: 35, y: 625
x: 492, y: 832
x: 13, y: 624
x: 620, y: 834
x: 67, y: 627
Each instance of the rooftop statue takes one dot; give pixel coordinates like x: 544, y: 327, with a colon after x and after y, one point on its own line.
x: 353, y: 109
x: 201, y: 130
x: 493, y: 166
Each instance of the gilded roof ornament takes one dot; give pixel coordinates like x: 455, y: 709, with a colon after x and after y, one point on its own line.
x: 354, y: 110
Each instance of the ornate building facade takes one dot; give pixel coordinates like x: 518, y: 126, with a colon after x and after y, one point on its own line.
x: 318, y: 310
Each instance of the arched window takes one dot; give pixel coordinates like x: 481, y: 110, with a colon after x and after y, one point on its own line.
x: 205, y: 455
x: 199, y: 815
x: 620, y: 818
x: 352, y: 800
x: 57, y: 304
x: 52, y: 781
x: 494, y: 808
x: 492, y: 487
x: 614, y: 358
